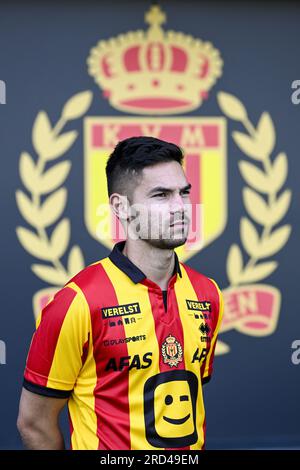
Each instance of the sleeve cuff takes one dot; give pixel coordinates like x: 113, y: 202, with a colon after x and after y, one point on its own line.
x: 205, y: 380
x: 45, y: 391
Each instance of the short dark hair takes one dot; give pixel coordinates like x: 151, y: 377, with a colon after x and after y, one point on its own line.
x: 132, y: 155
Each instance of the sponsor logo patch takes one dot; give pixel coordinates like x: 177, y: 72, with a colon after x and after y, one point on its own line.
x: 199, y: 305
x: 116, y: 341
x: 129, y: 362
x: 121, y: 310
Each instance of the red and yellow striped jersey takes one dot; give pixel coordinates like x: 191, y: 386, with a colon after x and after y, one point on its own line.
x: 132, y: 369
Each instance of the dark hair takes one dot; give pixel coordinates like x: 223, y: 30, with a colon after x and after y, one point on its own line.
x: 131, y: 155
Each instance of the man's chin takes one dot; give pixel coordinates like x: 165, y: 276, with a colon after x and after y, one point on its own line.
x: 167, y: 243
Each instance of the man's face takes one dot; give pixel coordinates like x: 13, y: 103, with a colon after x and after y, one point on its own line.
x: 161, y: 208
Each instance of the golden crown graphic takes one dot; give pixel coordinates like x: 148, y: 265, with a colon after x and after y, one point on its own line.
x: 155, y: 72
x: 170, y: 339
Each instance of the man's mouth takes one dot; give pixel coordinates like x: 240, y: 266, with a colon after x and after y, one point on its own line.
x: 178, y: 223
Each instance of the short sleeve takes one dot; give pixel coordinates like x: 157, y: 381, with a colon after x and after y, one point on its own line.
x: 207, y: 367
x: 57, y: 347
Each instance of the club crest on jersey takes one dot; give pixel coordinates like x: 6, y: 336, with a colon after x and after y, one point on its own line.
x: 172, y: 351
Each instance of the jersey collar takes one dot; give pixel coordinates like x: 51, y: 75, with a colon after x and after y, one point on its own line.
x: 129, y: 268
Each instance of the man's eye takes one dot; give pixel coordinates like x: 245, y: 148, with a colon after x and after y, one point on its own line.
x: 160, y: 195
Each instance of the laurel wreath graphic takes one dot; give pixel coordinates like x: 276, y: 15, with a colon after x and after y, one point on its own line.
x: 47, y: 200
x: 261, y: 200
x: 46, y: 203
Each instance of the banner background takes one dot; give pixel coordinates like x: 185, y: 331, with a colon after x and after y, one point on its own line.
x: 253, y: 398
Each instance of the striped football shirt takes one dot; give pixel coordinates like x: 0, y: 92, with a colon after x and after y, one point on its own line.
x: 130, y: 358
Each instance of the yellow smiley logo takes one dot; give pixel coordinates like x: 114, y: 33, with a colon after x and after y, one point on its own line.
x: 170, y: 408
x: 173, y: 409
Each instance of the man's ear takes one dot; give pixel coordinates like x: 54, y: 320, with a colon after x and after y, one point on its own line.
x: 120, y: 205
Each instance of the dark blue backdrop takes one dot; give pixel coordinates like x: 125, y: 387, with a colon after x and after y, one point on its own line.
x: 253, y: 399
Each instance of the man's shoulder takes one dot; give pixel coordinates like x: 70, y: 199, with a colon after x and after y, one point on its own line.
x: 192, y: 272
x: 88, y: 276
x: 200, y: 278
x: 206, y: 288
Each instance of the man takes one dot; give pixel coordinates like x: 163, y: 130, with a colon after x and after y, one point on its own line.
x: 129, y: 341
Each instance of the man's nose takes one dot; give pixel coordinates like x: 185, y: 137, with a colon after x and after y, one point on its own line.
x: 177, y: 203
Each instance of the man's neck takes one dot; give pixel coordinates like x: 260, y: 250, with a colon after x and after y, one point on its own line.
x: 156, y: 263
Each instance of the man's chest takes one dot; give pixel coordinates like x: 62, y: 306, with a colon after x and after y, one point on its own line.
x: 140, y: 334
